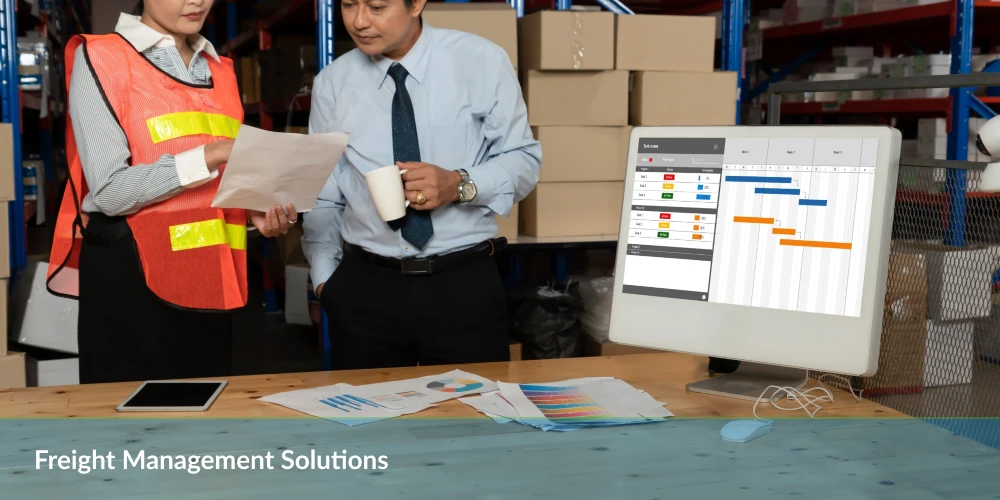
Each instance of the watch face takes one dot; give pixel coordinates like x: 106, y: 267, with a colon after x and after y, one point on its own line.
x: 468, y: 191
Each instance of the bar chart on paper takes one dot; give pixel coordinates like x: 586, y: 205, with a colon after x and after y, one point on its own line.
x: 776, y: 223
x: 792, y: 229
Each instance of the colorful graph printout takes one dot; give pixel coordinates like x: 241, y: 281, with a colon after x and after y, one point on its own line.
x: 564, y: 404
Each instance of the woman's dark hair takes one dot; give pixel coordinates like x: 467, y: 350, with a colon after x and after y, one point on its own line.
x: 139, y: 8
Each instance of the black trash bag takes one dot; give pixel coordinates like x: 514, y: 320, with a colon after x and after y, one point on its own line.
x: 546, y: 322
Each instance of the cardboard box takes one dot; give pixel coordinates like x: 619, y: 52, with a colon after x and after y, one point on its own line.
x: 578, y: 154
x: 592, y: 348
x: 557, y: 209
x: 556, y: 98
x: 4, y: 242
x: 14, y: 371
x: 496, y: 22
x: 56, y: 372
x: 290, y: 245
x: 249, y: 80
x: 904, y: 330
x: 564, y: 40
x: 665, y: 43
x: 515, y: 350
x: 508, y: 227
x: 660, y: 98
x: 6, y: 164
x: 4, y: 322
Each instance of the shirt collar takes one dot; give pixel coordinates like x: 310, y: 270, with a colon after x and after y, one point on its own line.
x: 415, y: 61
x: 143, y: 37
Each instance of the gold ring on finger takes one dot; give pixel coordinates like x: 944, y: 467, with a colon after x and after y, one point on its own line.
x: 421, y: 199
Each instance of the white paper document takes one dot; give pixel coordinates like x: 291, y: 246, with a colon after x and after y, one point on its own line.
x: 571, y: 404
x: 269, y: 169
x: 354, y: 405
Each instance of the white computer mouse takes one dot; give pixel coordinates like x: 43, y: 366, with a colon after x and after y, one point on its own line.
x: 741, y: 431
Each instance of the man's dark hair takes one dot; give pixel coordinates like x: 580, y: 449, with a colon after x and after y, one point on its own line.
x: 141, y: 7
x: 409, y: 4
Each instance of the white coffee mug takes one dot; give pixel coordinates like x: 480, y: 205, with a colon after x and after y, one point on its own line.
x: 386, y: 187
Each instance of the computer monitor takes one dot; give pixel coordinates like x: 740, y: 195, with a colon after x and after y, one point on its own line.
x: 766, y: 245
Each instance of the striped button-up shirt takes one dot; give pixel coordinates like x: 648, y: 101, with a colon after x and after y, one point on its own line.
x: 116, y: 186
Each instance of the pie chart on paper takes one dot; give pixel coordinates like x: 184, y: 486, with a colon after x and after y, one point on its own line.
x: 454, y: 385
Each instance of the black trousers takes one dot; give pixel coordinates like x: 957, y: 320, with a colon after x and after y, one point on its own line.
x: 127, y: 333
x: 380, y: 318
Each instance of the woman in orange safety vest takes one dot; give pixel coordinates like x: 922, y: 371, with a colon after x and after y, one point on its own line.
x: 153, y: 113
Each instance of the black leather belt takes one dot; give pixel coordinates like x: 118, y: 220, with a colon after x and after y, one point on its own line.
x: 433, y: 264
x: 103, y: 230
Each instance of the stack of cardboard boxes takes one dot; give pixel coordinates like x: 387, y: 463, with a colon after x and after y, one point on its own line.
x: 578, y: 107
x: 672, y: 60
x: 12, y: 365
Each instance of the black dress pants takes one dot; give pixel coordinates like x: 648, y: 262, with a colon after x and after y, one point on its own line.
x: 127, y: 333
x: 380, y: 318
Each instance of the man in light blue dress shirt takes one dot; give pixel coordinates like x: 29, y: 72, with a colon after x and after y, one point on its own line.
x: 446, y: 107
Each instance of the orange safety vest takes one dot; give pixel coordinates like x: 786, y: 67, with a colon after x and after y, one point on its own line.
x: 193, y: 255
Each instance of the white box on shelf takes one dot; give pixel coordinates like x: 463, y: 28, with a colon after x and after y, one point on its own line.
x: 980, y: 61
x: 858, y: 70
x: 58, y: 372
x: 949, y: 353
x: 40, y: 319
x: 959, y: 279
x: 861, y: 52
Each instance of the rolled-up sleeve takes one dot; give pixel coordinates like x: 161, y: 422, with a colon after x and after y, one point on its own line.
x: 510, y: 171
x: 322, y: 239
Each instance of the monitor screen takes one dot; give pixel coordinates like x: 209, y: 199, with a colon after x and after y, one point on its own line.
x: 780, y: 223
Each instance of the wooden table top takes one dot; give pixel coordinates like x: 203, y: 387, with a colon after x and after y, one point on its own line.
x: 851, y: 450
x: 663, y: 375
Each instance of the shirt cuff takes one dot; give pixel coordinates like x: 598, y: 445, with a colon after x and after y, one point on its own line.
x: 486, y: 191
x: 192, y: 169
x: 321, y: 271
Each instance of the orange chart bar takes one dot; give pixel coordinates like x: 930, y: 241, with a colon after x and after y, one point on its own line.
x: 783, y: 230
x: 754, y: 220
x: 695, y: 236
x: 816, y: 244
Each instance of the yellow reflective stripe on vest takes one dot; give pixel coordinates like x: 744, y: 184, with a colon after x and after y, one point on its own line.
x: 206, y: 234
x: 167, y: 127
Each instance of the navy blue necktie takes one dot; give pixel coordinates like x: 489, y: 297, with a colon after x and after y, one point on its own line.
x: 416, y: 225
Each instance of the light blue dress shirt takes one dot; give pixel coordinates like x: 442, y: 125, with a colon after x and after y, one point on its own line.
x: 470, y: 114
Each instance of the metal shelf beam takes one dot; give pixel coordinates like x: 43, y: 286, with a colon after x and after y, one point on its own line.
x: 10, y: 112
x: 958, y: 139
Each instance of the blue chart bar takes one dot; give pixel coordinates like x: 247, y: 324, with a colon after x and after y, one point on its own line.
x: 705, y: 197
x: 750, y: 178
x: 701, y: 186
x: 813, y: 203
x: 794, y: 192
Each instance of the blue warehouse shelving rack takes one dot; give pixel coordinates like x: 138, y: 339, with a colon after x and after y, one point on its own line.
x: 56, y: 20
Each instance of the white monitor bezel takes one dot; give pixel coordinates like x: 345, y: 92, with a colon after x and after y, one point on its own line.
x: 838, y: 344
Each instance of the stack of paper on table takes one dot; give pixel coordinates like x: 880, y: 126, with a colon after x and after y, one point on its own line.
x: 571, y: 404
x: 355, y: 405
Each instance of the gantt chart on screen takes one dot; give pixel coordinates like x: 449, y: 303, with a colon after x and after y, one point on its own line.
x: 776, y: 223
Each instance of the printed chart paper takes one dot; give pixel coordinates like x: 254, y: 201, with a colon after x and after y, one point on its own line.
x: 571, y: 405
x: 355, y: 405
